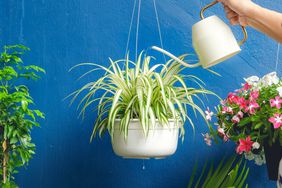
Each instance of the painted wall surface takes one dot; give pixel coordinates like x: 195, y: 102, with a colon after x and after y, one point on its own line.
x: 62, y: 33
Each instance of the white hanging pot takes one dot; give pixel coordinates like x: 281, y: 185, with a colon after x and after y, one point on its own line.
x: 212, y: 40
x: 159, y: 143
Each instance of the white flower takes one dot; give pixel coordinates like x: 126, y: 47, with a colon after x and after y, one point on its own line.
x: 223, y: 125
x: 207, y: 139
x: 252, y: 80
x: 240, y: 114
x: 256, y: 145
x: 235, y: 119
x: 270, y: 79
x: 209, y: 114
x: 279, y: 89
x: 249, y: 156
x: 259, y: 160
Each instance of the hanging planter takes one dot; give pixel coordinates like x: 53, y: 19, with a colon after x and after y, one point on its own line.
x: 273, y: 155
x: 252, y: 118
x: 141, y: 107
x: 160, y: 142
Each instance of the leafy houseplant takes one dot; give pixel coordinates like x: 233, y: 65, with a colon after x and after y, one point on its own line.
x: 140, y: 97
x: 252, y: 118
x: 229, y: 173
x: 16, y: 117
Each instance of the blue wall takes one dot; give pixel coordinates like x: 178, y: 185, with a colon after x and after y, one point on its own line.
x: 62, y: 33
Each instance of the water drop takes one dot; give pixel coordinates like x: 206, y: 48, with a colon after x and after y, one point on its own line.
x: 143, y: 166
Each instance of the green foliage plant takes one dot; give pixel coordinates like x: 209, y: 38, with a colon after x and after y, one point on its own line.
x: 137, y: 90
x: 229, y: 173
x: 16, y: 116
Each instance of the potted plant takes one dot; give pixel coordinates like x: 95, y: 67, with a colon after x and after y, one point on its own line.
x: 16, y: 116
x: 252, y: 118
x: 228, y: 173
x: 141, y: 107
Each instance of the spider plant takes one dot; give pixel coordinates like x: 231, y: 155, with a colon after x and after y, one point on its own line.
x: 136, y: 90
x: 229, y: 173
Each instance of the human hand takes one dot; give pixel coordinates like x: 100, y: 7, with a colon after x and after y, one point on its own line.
x: 237, y: 11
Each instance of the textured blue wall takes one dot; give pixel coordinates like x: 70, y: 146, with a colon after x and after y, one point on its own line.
x: 62, y: 33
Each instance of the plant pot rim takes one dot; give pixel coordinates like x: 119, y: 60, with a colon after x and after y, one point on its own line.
x: 157, y: 120
x: 135, y: 125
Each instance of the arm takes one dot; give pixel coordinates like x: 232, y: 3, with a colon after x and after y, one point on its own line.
x: 245, y: 12
x: 267, y: 21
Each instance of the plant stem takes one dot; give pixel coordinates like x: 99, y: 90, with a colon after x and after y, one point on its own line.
x: 5, y: 159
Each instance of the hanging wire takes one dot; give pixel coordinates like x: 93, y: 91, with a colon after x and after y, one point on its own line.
x: 137, y: 30
x: 130, y: 27
x: 277, y: 57
x: 159, y: 28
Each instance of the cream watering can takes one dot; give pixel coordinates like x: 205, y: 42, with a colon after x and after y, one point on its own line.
x: 212, y: 40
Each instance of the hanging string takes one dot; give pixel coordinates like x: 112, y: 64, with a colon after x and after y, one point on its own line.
x: 130, y: 27
x: 137, y: 30
x: 159, y: 28
x: 277, y: 57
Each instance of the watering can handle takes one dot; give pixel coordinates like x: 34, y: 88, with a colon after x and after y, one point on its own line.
x: 243, y: 28
x: 175, y: 58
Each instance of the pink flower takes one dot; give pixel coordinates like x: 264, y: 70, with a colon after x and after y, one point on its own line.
x: 244, y: 145
x: 251, y: 107
x: 232, y: 98
x: 235, y: 119
x: 222, y: 134
x: 242, y: 103
x: 223, y: 102
x: 207, y: 139
x: 276, y: 102
x: 254, y: 95
x: 247, y: 86
x: 209, y: 114
x: 240, y: 114
x: 276, y: 120
x: 227, y: 109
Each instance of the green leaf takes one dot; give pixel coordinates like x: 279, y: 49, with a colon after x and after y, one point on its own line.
x: 228, y: 173
x: 24, y: 105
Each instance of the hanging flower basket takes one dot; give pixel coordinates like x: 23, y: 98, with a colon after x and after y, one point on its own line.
x: 252, y: 117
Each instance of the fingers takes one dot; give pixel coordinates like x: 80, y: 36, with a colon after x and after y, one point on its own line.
x: 235, y: 21
x: 231, y: 15
x: 221, y: 1
x: 243, y: 21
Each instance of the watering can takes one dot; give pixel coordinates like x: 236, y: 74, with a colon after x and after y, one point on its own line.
x: 212, y: 40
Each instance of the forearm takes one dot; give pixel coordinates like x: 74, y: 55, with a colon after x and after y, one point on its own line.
x: 260, y: 27
x: 267, y: 21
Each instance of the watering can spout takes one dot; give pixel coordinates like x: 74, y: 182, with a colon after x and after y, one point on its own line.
x: 175, y: 58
